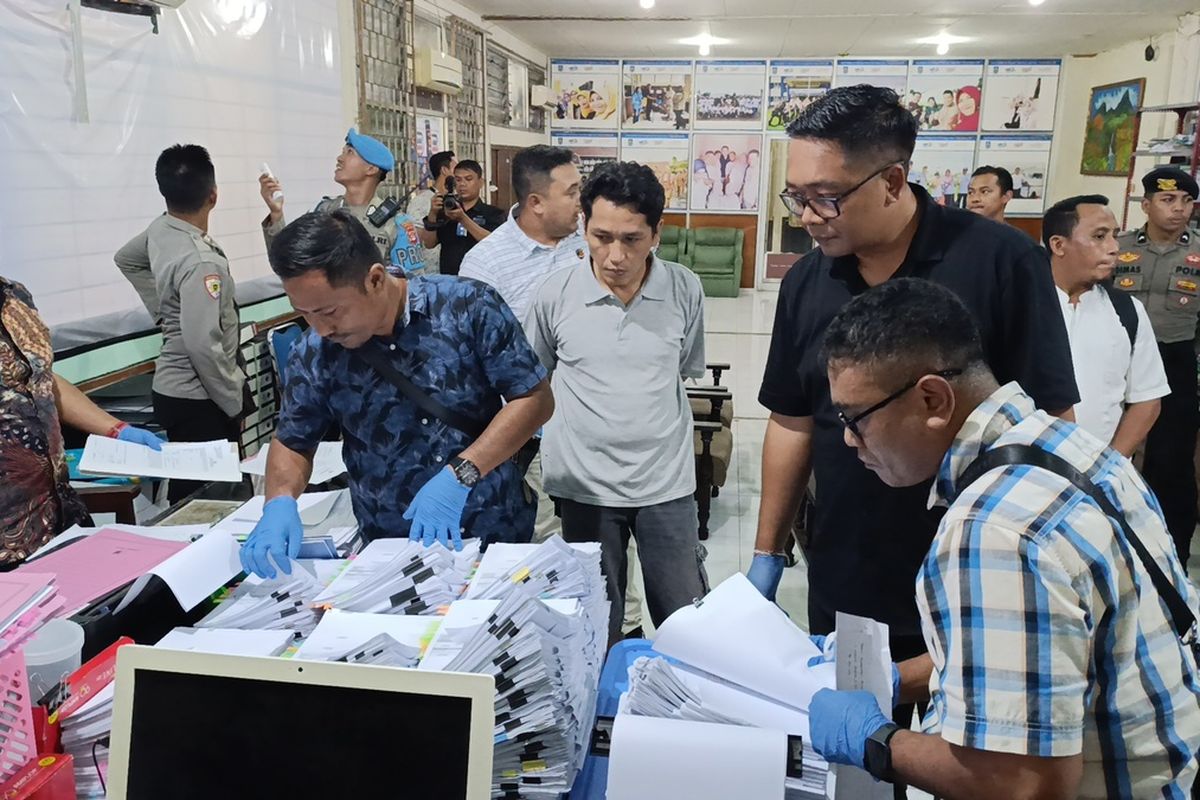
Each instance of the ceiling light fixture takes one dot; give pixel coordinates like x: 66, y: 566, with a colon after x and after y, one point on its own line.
x: 704, y: 42
x: 1036, y: 2
x: 943, y: 41
x: 647, y: 4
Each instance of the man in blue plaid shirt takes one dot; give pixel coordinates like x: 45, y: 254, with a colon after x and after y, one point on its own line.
x: 1053, y: 667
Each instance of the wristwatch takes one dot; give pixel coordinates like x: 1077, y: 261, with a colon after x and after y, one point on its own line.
x: 466, y: 472
x: 878, y: 754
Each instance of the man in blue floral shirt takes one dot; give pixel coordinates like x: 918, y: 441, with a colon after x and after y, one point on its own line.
x: 411, y: 474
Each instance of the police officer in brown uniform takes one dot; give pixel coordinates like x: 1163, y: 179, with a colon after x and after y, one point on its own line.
x: 1159, y: 263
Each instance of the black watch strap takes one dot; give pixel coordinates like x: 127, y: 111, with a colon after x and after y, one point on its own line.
x: 467, y: 473
x: 878, y: 753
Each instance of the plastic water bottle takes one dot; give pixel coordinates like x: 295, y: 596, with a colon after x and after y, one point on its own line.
x: 265, y: 169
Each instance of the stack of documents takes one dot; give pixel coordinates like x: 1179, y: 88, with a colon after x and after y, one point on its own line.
x: 95, y: 566
x: 27, y: 599
x: 284, y: 602
x: 227, y: 641
x: 398, y: 576
x: 542, y: 634
x: 321, y: 538
x: 191, y: 461
x: 660, y: 689
x: 81, y: 731
x: 384, y: 639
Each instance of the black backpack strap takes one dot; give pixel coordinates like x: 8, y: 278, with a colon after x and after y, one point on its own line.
x: 1123, y: 305
x: 1022, y: 454
x: 472, y: 427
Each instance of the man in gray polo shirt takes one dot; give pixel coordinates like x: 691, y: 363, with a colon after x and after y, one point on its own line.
x: 617, y: 455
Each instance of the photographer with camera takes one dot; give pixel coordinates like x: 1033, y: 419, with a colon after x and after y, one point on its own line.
x: 458, y: 219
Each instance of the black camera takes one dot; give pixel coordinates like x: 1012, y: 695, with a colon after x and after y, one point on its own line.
x: 451, y: 201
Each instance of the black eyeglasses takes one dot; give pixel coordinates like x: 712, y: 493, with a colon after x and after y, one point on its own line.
x: 851, y: 423
x: 827, y: 207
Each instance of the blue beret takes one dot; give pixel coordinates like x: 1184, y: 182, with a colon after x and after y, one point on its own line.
x: 372, y: 151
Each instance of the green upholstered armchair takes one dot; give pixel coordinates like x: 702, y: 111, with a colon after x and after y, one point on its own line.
x: 672, y: 244
x: 715, y: 256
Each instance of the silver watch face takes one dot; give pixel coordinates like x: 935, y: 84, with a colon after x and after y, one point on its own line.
x: 466, y: 472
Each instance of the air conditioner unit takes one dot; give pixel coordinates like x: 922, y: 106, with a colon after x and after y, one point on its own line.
x: 541, y: 97
x: 438, y: 72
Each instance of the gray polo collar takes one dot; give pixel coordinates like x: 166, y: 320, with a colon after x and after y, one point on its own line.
x: 656, y: 287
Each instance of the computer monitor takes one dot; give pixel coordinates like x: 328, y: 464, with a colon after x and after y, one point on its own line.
x: 194, y: 725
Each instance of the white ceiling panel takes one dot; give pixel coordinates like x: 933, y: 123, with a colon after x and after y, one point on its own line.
x: 798, y: 28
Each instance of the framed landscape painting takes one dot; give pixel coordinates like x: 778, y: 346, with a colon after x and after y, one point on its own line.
x: 1112, y: 128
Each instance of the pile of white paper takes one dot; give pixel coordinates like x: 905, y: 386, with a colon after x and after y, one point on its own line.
x: 327, y: 462
x: 284, y: 602
x: 388, y: 639
x: 81, y: 731
x: 398, y: 576
x: 227, y: 641
x: 543, y: 638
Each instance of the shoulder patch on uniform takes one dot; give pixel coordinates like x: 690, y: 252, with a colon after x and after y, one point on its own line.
x: 212, y: 285
x: 1128, y: 258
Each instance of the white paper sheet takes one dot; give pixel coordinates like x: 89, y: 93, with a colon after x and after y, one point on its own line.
x: 230, y: 642
x: 327, y: 462
x: 195, y: 572
x: 339, y: 631
x: 738, y: 635
x: 314, y: 507
x: 195, y: 461
x: 864, y: 662
x: 657, y: 758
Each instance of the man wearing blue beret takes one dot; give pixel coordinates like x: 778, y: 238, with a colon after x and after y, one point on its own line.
x: 362, y: 166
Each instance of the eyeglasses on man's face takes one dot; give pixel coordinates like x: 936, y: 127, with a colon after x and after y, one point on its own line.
x: 851, y: 423
x: 827, y: 207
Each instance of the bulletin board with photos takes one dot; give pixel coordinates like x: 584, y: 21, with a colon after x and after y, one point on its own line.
x: 714, y: 130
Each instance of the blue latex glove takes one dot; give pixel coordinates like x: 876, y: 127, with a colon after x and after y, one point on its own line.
x: 278, y: 535
x: 765, y: 573
x: 840, y: 722
x: 436, y: 511
x: 140, y: 436
x: 828, y: 646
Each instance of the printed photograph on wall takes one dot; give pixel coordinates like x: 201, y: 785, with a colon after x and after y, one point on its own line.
x: 792, y: 86
x: 787, y: 238
x: 1020, y: 95
x: 657, y: 95
x: 886, y: 73
x: 1112, y: 128
x: 587, y: 94
x: 1028, y: 159
x: 944, y: 95
x: 726, y: 171
x: 667, y: 155
x: 729, y: 94
x: 591, y: 149
x: 431, y: 134
x: 942, y: 165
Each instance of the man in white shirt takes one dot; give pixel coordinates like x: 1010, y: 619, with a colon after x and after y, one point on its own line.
x: 541, y: 236
x: 1117, y: 365
x: 441, y: 172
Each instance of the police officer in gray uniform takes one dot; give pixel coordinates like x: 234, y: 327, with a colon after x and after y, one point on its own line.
x: 362, y: 165
x: 182, y: 277
x: 1160, y: 264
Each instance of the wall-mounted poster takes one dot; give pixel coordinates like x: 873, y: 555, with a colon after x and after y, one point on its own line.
x: 592, y: 148
x: 657, y: 95
x: 942, y: 165
x: 588, y: 94
x: 791, y: 86
x: 729, y: 94
x: 667, y: 155
x: 726, y: 171
x: 1112, y: 128
x: 1020, y: 95
x: 888, y: 73
x: 1028, y: 159
x: 431, y: 138
x: 944, y: 95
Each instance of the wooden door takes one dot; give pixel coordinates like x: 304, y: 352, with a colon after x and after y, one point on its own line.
x: 502, y: 157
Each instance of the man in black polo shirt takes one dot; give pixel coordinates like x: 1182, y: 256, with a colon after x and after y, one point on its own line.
x: 467, y: 220
x: 847, y: 163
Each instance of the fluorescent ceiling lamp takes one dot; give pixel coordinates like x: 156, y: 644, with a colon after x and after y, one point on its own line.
x: 943, y: 41
x: 704, y: 41
x: 647, y: 4
x: 1036, y: 2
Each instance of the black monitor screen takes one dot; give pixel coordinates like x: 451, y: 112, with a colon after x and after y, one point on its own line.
x: 202, y: 736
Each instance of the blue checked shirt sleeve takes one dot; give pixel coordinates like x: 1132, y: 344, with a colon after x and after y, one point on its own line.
x: 511, y: 365
x: 1013, y: 636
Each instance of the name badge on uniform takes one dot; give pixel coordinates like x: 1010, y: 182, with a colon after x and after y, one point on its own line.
x: 212, y: 285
